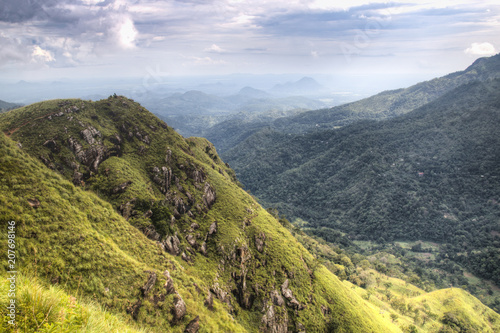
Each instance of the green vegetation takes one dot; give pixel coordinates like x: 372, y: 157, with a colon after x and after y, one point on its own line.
x: 118, y: 210
x: 431, y: 175
x: 6, y: 106
x: 50, y: 309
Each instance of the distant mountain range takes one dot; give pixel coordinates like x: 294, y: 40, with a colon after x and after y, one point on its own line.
x: 193, y: 113
x: 384, y: 105
x: 305, y: 86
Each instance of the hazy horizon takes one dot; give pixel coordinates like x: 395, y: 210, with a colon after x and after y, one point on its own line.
x: 147, y: 43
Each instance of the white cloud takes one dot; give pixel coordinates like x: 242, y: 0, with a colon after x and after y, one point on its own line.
x: 127, y: 33
x: 481, y: 49
x: 40, y: 54
x: 205, y: 61
x: 214, y: 49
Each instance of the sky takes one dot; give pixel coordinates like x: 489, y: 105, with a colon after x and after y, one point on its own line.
x: 52, y: 39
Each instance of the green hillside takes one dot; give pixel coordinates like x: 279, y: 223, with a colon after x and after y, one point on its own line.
x: 432, y: 174
x: 6, y: 106
x: 118, y: 210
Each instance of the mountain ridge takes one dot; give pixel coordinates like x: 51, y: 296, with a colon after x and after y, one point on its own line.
x: 165, y: 203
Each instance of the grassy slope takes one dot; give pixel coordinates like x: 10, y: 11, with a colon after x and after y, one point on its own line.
x: 50, y: 309
x: 78, y: 240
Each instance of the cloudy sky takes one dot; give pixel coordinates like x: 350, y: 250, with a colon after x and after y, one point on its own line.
x: 50, y: 39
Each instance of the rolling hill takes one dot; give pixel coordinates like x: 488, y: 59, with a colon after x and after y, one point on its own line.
x: 114, y: 206
x: 123, y: 225
x: 431, y: 174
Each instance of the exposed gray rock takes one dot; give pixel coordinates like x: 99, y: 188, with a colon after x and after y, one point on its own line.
x: 172, y: 245
x: 209, y: 301
x: 185, y: 257
x: 212, y: 229
x: 276, y: 298
x: 169, y: 285
x: 259, y: 241
x: 163, y: 178
x: 285, y: 290
x: 92, y: 157
x: 203, y: 249
x: 151, y: 233
x: 179, y: 309
x: 222, y: 295
x: 198, y: 176
x: 89, y: 135
x: 244, y: 297
x: 47, y: 162
x: 168, y: 156
x: 146, y: 288
x: 77, y: 178
x: 191, y: 240
x: 95, y: 156
x: 34, y: 202
x: 126, y: 210
x: 288, y: 294
x: 209, y: 195
x: 193, y: 326
x: 271, y: 322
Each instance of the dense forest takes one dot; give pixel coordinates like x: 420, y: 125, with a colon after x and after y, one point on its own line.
x: 432, y: 174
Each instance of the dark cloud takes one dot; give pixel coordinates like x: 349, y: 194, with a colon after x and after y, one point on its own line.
x: 15, y: 11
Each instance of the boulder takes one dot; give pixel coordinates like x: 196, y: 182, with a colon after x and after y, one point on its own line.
x: 193, y: 326
x: 146, y: 288
x: 179, y: 309
x: 172, y: 245
x: 209, y: 195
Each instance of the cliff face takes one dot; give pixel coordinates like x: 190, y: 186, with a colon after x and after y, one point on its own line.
x: 155, y: 226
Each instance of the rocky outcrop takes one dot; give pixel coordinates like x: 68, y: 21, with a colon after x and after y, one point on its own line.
x: 209, y: 195
x: 221, y: 294
x: 77, y: 178
x: 126, y: 209
x: 288, y: 294
x: 169, y: 284
x: 151, y: 233
x: 271, y: 321
x: 179, y: 309
x: 89, y: 135
x: 276, y: 298
x: 171, y: 244
x: 260, y: 241
x: 193, y: 326
x: 212, y: 230
x: 191, y: 240
x: 163, y: 178
x: 91, y: 157
x: 197, y: 175
x: 146, y: 288
x: 244, y: 297
x: 209, y: 301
